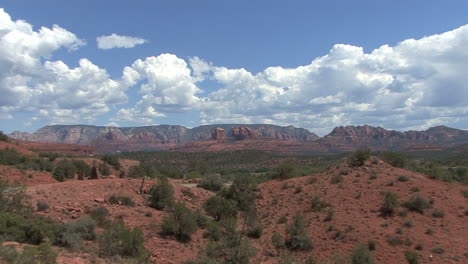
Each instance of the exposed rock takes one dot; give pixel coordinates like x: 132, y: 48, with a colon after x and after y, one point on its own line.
x: 241, y: 133
x: 218, y: 134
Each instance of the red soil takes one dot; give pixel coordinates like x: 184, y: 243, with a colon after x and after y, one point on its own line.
x: 355, y: 201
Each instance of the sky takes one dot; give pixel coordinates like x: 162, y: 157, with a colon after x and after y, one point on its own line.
x: 400, y: 65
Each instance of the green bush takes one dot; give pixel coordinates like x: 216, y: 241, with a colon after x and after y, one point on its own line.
x: 8, y: 253
x: 71, y: 234
x: 278, y: 241
x: 27, y: 229
x: 403, y: 178
x: 390, y: 203
x: 318, y: 205
x: 3, y: 137
x: 394, y: 159
x: 338, y: 178
x: 100, y: 215
x: 41, y: 255
x: 438, y: 250
x: 64, y: 169
x: 211, y: 182
x: 42, y: 205
x: 10, y: 157
x: 121, y: 240
x: 362, y: 255
x: 111, y: 160
x: 371, y: 245
x: 438, y: 213
x: 162, y: 194
x: 286, y: 170
x: 122, y: 200
x: 296, y: 234
x: 417, y: 203
x: 242, y: 191
x: 104, y: 169
x: 180, y: 223
x: 412, y: 257
x: 359, y: 157
x: 220, y: 208
x: 214, y: 231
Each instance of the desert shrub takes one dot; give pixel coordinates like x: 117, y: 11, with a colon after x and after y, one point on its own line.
x: 408, y: 223
x: 201, y: 219
x: 3, y: 137
x: 220, y: 208
x: 394, y: 159
x: 412, y: 257
x: 278, y: 241
x: 211, y: 182
x: 415, y: 189
x: 438, y: 250
x: 296, y: 234
x: 395, y: 240
x: 104, y: 169
x: 82, y: 169
x: 329, y: 216
x: 121, y: 240
x: 338, y: 178
x: 254, y: 227
x: 65, y: 169
x: 359, y: 157
x: 71, y: 234
x: 8, y: 253
x: 121, y: 199
x: 317, y: 204
x: 417, y: 203
x: 242, y: 191
x: 111, y: 160
x: 213, y: 231
x: 10, y: 157
x: 100, y: 215
x: 390, y: 203
x: 42, y: 205
x: 283, y: 219
x: 179, y: 223
x: 285, y: 170
x: 362, y: 255
x: 27, y: 229
x: 162, y: 194
x: 403, y: 178
x: 465, y: 193
x: 438, y: 213
x: 37, y: 255
x: 371, y: 245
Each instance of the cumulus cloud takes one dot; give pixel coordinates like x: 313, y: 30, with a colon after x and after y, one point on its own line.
x: 117, y: 41
x: 29, y: 82
x: 168, y: 86
x: 413, y: 85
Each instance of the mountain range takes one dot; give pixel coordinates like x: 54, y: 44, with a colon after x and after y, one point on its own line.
x: 235, y: 136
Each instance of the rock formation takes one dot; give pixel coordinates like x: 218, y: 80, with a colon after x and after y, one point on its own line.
x: 218, y: 134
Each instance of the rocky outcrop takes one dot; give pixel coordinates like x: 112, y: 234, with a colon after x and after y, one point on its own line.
x: 378, y: 138
x: 112, y: 139
x: 218, y: 134
x: 242, y: 132
x: 348, y: 138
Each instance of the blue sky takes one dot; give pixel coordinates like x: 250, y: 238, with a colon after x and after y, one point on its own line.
x: 402, y: 65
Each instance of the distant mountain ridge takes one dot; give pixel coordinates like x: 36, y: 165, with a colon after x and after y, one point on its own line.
x: 163, y: 137
x: 110, y: 139
x: 378, y: 138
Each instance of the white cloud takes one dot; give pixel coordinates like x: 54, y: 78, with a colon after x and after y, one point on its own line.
x: 117, y: 41
x: 417, y: 83
x: 29, y: 82
x: 168, y: 87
